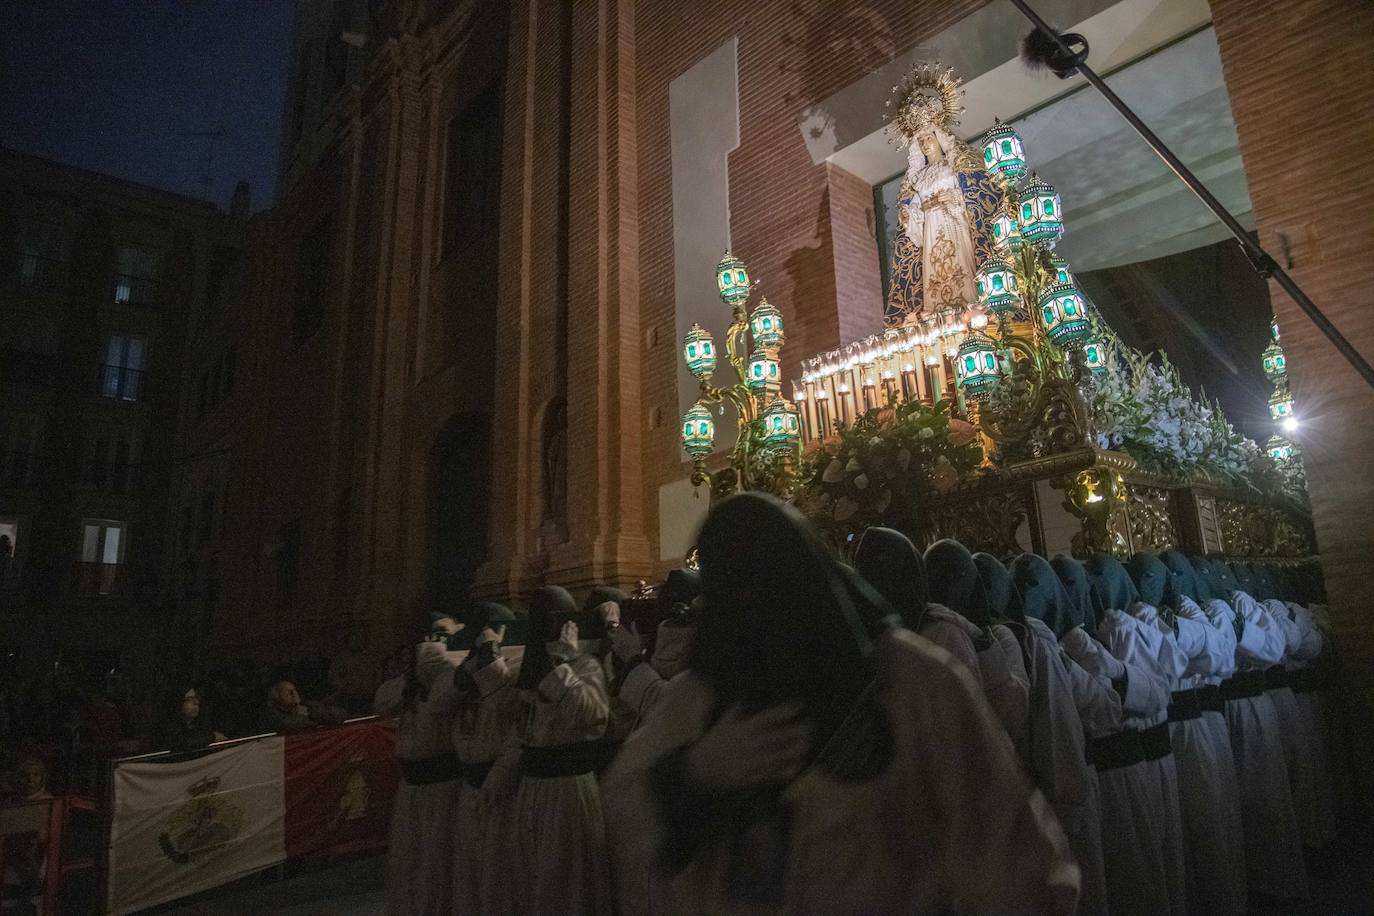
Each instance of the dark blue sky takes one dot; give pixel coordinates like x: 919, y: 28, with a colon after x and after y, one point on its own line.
x: 119, y: 86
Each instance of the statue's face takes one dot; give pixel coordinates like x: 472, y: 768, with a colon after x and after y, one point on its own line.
x: 930, y: 146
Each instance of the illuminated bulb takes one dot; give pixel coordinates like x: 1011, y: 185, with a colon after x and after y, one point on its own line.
x: 951, y: 352
x: 908, y: 367
x: 822, y: 395
x: 843, y: 388
x: 888, y: 373
x: 932, y: 360
x: 1290, y: 424
x: 798, y: 394
x: 979, y: 321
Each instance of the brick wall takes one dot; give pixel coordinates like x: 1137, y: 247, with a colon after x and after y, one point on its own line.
x: 1297, y: 73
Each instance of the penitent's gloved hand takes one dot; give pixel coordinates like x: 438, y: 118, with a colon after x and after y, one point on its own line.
x: 626, y: 643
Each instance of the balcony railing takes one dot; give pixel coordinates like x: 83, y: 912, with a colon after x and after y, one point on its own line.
x: 112, y: 476
x: 121, y: 383
x: 132, y: 290
x: 17, y: 470
x: 101, y: 580
x: 36, y: 272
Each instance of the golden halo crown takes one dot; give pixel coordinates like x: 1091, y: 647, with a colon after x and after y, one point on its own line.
x: 930, y: 96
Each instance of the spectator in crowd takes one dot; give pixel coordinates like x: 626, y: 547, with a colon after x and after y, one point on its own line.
x: 30, y: 781
x: 185, y: 728
x: 287, y: 713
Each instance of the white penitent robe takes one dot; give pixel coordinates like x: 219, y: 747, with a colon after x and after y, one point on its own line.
x: 1273, y: 842
x: 949, y: 824
x: 993, y: 659
x: 1307, y: 656
x: 483, y: 726
x: 1295, y: 731
x: 557, y: 825
x: 1056, y: 757
x: 1141, y: 643
x: 419, y: 862
x: 1207, y: 773
x: 1134, y: 799
x: 1210, y: 800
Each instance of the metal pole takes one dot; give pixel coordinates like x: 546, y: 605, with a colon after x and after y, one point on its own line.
x: 1264, y: 265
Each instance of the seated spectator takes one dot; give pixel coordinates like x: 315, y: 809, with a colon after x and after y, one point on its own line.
x: 185, y: 729
x: 286, y: 713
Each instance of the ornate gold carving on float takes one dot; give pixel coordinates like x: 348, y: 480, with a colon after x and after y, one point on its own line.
x: 1152, y: 525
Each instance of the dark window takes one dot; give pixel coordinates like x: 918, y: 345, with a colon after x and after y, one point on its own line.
x: 472, y: 171
x: 312, y: 275
x: 288, y: 560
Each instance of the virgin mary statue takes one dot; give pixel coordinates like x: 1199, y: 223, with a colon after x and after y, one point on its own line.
x: 945, y: 208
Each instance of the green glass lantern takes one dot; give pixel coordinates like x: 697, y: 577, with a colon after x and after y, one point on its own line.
x: 1060, y: 267
x: 698, y: 431
x: 975, y: 365
x: 766, y: 325
x: 764, y: 375
x: 1006, y: 233
x: 1281, y: 403
x: 1279, y: 448
x: 1062, y: 314
x: 1274, y: 329
x: 997, y: 289
x: 781, y: 425
x: 1040, y: 212
x: 1002, y: 152
x: 1095, y: 355
x: 699, y: 350
x: 1275, y: 365
x: 733, y: 280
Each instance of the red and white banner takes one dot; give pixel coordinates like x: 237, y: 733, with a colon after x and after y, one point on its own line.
x: 187, y: 826
x: 339, y: 786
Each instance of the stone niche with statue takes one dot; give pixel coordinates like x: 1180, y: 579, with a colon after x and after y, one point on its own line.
x: 996, y: 406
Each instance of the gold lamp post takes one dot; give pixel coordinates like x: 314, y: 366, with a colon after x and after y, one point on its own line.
x: 768, y: 427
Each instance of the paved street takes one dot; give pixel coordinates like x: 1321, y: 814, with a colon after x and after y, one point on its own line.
x: 346, y: 889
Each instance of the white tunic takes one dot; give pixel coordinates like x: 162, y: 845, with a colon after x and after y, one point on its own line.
x: 994, y: 660
x: 1295, y: 731
x: 1273, y: 843
x: 558, y: 828
x: 1141, y: 642
x: 1133, y: 803
x: 419, y: 862
x: 1314, y: 719
x: 950, y: 822
x: 1056, y: 757
x: 1209, y: 799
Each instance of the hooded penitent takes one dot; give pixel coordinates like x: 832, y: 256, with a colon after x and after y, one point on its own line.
x: 953, y: 581
x: 1224, y: 580
x: 1152, y: 580
x: 779, y: 624
x: 1208, y: 585
x: 602, y: 594
x: 1263, y: 582
x: 1184, y: 576
x: 891, y: 564
x: 1042, y: 595
x: 1244, y: 579
x: 1111, y: 582
x: 672, y: 644
x: 1077, y: 588
x: 549, y: 606
x: 1003, y: 598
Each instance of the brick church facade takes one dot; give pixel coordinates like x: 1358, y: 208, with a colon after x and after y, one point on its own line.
x: 494, y: 217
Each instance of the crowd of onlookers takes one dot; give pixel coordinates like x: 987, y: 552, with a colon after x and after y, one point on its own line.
x: 59, y: 726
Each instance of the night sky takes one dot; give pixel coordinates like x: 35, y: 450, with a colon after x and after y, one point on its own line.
x: 124, y: 86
